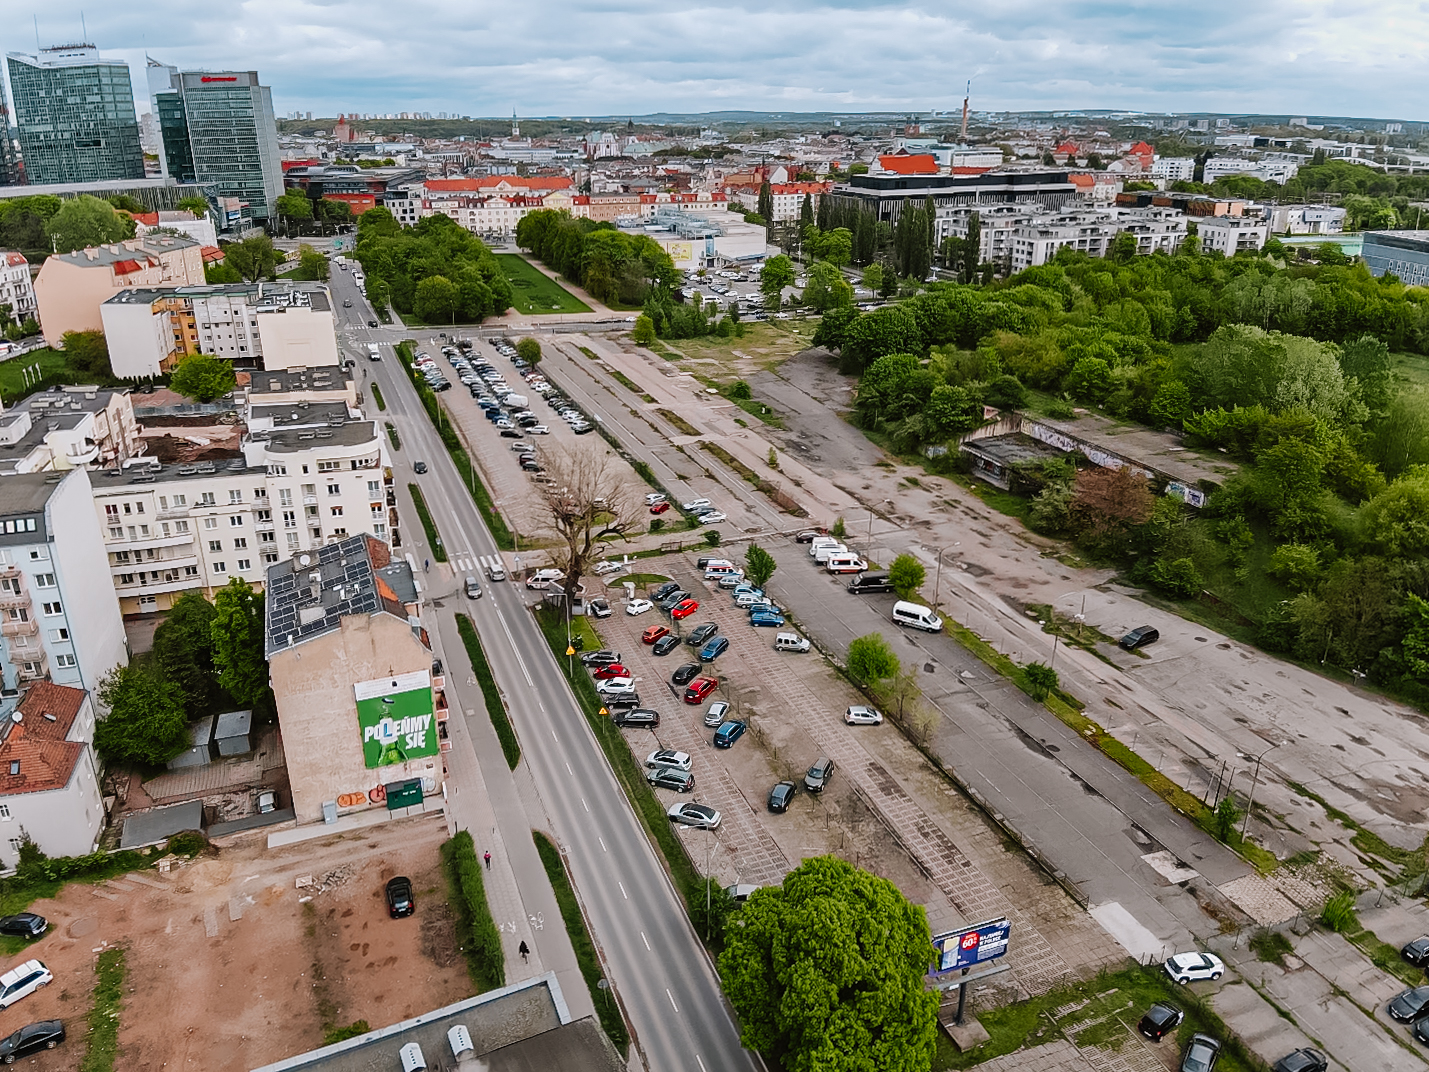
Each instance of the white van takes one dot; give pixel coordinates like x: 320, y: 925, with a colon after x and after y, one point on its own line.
x: 916, y: 616
x: 823, y: 554
x: 821, y: 541
x: 790, y: 642
x: 720, y: 569
x: 848, y: 562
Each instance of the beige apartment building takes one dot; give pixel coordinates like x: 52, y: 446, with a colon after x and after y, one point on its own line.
x: 363, y: 717
x: 72, y: 286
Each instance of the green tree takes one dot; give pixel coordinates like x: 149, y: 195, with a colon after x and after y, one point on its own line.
x: 312, y: 265
x: 1295, y: 565
x: 1041, y: 680
x: 377, y: 223
x: 197, y: 205
x: 871, y: 660
x: 777, y: 273
x: 437, y: 300
x: 253, y: 258
x: 1091, y: 380
x: 1225, y: 817
x: 203, y: 378
x: 837, y: 247
x: 806, y: 213
x: 972, y: 247
x: 838, y: 531
x: 759, y: 565
x: 826, y: 973
x: 216, y: 274
x: 873, y: 277
x: 1367, y: 360
x: 294, y: 207
x: 1171, y: 404
x: 145, y: 723
x: 644, y: 333
x: 238, y: 631
x: 1177, y: 576
x: 1397, y: 519
x: 183, y: 651
x: 87, y: 352
x: 87, y: 221
x: 826, y: 288
x: 764, y: 206
x: 529, y: 350
x: 1415, y: 644
x: 906, y: 575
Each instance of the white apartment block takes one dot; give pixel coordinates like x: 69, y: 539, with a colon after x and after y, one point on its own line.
x: 59, y: 618
x: 1306, y: 219
x: 1022, y: 236
x: 1174, y: 168
x: 1232, y: 234
x: 1281, y: 171
x: 67, y: 427
x: 16, y: 288
x: 282, y: 325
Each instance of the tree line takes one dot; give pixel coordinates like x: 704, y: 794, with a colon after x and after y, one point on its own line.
x: 612, y: 266
x: 436, y: 271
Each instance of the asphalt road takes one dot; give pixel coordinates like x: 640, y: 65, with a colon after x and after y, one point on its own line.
x: 656, y: 964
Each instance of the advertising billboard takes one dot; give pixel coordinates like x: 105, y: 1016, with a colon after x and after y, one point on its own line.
x: 396, y: 719
x: 966, y: 948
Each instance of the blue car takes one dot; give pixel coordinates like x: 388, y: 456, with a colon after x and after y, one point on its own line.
x: 714, y: 649
x: 766, y: 617
x: 728, y: 733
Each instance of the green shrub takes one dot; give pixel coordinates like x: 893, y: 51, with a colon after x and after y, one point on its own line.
x: 1178, y: 577
x: 486, y: 960
x: 342, y: 1034
x: 495, y: 705
x: 712, y: 537
x: 187, y: 843
x: 1339, y: 913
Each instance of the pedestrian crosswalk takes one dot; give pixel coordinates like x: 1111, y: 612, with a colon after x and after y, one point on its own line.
x: 466, y: 562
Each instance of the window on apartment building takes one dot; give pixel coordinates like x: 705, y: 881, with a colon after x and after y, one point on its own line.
x: 305, y: 470
x: 52, y: 609
x: 190, y: 571
x: 374, y: 488
x: 116, y: 533
x: 181, y: 500
x: 240, y: 544
x: 210, y: 522
x: 260, y: 493
x: 310, y: 511
x: 39, y: 554
x: 65, y: 662
x: 265, y: 515
x: 379, y: 530
x: 220, y: 567
x: 244, y: 565
x: 338, y: 532
x: 206, y: 499
x: 270, y: 557
x: 138, y: 508
x: 128, y: 508
x: 19, y: 614
x: 285, y: 496
x: 234, y: 496
x: 266, y: 537
x: 215, y: 545
x: 317, y: 533
x: 329, y: 467
x: 59, y: 636
x: 337, y: 511
x: 111, y: 510
x: 5, y: 815
x: 163, y: 502
x: 290, y: 519
x: 44, y: 580
x: 377, y: 510
x: 235, y: 521
x: 10, y: 584
x: 310, y: 489
x: 126, y: 578
x: 275, y: 469
x: 143, y: 530
x: 181, y: 527
x: 334, y: 489
x: 292, y: 541
x: 121, y: 557
x: 15, y: 842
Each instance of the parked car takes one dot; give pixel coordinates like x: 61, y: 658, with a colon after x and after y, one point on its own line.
x: 668, y: 757
x: 654, y: 633
x: 715, y: 713
x: 23, y: 980
x: 24, y: 925
x: 615, y: 686
x: 1410, y: 1005
x: 669, y: 778
x: 1416, y: 952
x: 399, y: 897
x: 602, y: 568
x: 638, y: 606
x: 732, y: 580
x: 700, y: 816
x: 654, y: 497
x: 32, y: 1038
x: 781, y: 795
x: 714, y: 649
x: 701, y: 634
x: 1160, y: 1020
x: 674, y: 599
x: 714, y: 517
x: 1309, y: 1059
x: 809, y: 535
x: 600, y: 658
x: 765, y: 617
x: 699, y: 688
x: 684, y: 674
x: 1139, y: 637
x: 695, y: 504
x: 640, y: 716
x: 659, y: 507
x: 729, y: 732
x: 683, y: 609
x: 538, y: 429
x: 817, y: 776
x: 419, y: 468
x: 610, y: 670
x: 666, y: 644
x: 668, y: 588
x: 863, y: 715
x: 1188, y: 967
x: 598, y: 608
x: 624, y: 701
x: 1201, y: 1054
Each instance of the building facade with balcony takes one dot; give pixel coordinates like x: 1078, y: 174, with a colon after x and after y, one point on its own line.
x: 1232, y: 234
x: 59, y: 616
x: 17, y: 290
x: 67, y: 427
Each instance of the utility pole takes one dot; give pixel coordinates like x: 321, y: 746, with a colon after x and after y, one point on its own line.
x: 1250, y: 801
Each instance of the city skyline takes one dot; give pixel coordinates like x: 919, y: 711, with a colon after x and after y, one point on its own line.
x: 810, y: 56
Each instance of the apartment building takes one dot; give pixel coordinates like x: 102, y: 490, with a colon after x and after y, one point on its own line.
x: 49, y: 778
x: 363, y: 716
x: 309, y: 473
x: 67, y: 427
x: 1019, y: 236
x: 59, y: 618
x: 1403, y: 253
x: 1306, y: 219
x: 1266, y: 170
x: 885, y: 195
x: 17, y: 290
x: 72, y: 286
x: 1174, y: 168
x: 1232, y: 234
x: 280, y: 325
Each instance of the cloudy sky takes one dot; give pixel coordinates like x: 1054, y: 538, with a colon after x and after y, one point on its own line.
x: 566, y: 58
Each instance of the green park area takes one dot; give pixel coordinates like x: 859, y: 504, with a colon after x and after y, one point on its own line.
x: 535, y: 293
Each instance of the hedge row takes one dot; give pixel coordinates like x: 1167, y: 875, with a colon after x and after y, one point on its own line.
x: 495, y: 705
x: 484, y: 956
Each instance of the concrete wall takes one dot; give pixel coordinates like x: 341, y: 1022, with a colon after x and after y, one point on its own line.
x: 312, y: 683
x: 96, y: 627
x: 297, y: 338
x: 69, y: 297
x: 136, y: 338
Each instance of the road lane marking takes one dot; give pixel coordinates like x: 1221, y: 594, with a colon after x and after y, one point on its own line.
x: 700, y: 1063
x: 554, y: 737
x: 602, y: 843
x: 672, y: 1001
x: 584, y: 804
x: 646, y: 941
x: 622, y: 890
x: 516, y: 651
x: 569, y: 771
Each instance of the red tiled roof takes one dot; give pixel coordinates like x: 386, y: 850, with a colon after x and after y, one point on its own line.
x: 963, y: 169
x: 37, y: 741
x: 1141, y: 149
x: 211, y: 254
x: 148, y: 219
x: 910, y: 163
x: 12, y: 259
x: 125, y: 267
x: 1067, y: 147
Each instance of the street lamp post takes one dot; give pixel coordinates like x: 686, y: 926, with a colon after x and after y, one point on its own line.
x: 1250, y: 800
x: 938, y: 574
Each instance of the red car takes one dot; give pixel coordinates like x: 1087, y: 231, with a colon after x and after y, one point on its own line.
x: 699, y: 688
x: 684, y: 609
x: 659, y: 508
x: 613, y: 670
x: 654, y: 633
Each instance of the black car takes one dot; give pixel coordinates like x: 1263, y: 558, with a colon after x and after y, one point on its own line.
x: 625, y: 701
x: 701, y: 634
x: 419, y: 468
x: 399, y: 897
x: 818, y: 775
x: 1201, y: 1055
x: 1306, y: 1059
x: 685, y: 674
x: 666, y: 644
x: 640, y: 716
x: 664, y: 590
x: 24, y: 925
x: 1416, y: 952
x: 781, y: 795
x: 674, y: 599
x: 44, y: 1035
x: 512, y: 433
x: 603, y: 657
x: 1160, y: 1020
x: 669, y: 778
x: 1410, y: 1005
x: 372, y: 323
x: 1139, y: 637
x: 807, y: 536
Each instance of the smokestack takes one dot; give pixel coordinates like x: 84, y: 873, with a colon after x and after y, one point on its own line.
x: 963, y: 135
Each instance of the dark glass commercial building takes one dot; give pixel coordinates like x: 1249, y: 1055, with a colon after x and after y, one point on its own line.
x: 1405, y: 253
x: 219, y: 130
x: 75, y: 113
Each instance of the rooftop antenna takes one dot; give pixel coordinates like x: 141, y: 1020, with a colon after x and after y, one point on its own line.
x: 963, y: 134
x: 83, y: 29
x: 37, y: 33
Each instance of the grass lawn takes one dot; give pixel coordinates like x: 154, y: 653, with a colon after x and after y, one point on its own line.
x: 1411, y: 368
x: 534, y: 292
x: 52, y: 364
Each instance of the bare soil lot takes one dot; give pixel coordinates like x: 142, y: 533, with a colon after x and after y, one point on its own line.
x: 290, y: 969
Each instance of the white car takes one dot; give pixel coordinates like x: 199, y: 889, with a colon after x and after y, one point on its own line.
x: 861, y: 715
x: 654, y: 497
x: 696, y: 504
x: 538, y: 429
x: 22, y: 981
x: 638, y: 606
x: 1188, y: 967
x: 716, y: 713
x: 668, y: 757
x: 714, y: 517
x: 608, y: 567
x: 700, y: 816
x: 615, y: 686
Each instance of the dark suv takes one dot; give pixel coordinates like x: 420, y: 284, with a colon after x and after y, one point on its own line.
x: 1201, y: 1055
x: 664, y: 590
x: 669, y: 778
x: 640, y: 716
x: 1139, y: 637
x: 818, y: 775
x: 399, y: 897
x: 1160, y: 1020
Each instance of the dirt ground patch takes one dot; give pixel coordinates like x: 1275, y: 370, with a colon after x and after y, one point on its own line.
x: 289, y: 969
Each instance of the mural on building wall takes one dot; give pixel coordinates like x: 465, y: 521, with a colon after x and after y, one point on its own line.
x: 395, y: 716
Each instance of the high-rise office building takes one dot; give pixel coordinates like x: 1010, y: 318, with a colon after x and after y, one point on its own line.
x: 75, y: 113
x: 218, y: 129
x: 10, y: 174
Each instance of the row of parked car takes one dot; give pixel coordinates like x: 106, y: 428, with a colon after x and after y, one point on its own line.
x: 702, y: 510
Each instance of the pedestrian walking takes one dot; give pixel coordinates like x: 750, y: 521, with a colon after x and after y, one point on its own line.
x: 524, y: 951
x: 488, y: 859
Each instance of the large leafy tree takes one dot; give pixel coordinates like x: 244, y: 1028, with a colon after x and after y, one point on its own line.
x: 312, y: 265
x: 253, y: 258
x: 146, y: 721
x: 871, y: 660
x: 203, y: 378
x: 759, y: 565
x: 906, y: 575
x: 777, y: 273
x: 87, y: 221
x: 238, y: 654
x: 88, y: 352
x: 827, y: 288
x: 826, y: 973
x: 183, y: 651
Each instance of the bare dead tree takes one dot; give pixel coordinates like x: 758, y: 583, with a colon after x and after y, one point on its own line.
x: 589, y: 498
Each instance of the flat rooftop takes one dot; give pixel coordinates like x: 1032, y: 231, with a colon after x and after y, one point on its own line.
x: 310, y: 593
